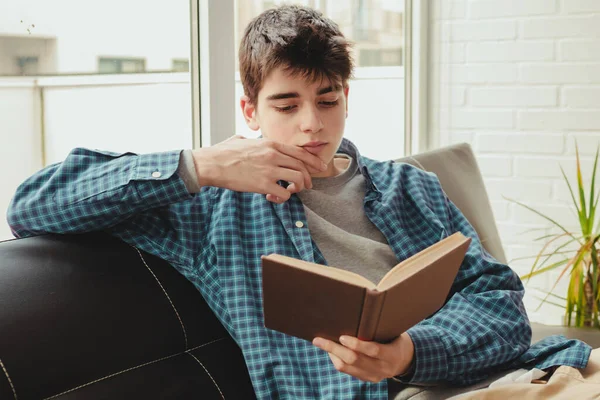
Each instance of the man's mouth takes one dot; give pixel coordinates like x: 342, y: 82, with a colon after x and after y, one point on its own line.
x: 314, y: 147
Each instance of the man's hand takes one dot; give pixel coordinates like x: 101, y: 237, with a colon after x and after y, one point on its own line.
x: 255, y: 165
x: 369, y: 361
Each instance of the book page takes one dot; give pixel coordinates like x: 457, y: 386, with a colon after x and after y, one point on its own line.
x: 421, y: 260
x: 332, y: 272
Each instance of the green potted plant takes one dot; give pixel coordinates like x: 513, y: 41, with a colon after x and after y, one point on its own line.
x: 578, y: 253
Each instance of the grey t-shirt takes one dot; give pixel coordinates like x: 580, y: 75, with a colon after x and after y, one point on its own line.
x: 340, y: 227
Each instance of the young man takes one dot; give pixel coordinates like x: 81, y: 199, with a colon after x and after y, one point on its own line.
x: 302, y: 191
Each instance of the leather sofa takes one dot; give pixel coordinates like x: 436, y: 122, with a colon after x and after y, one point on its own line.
x: 90, y: 317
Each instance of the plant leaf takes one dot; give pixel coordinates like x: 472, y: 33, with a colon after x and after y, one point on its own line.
x: 546, y: 292
x: 548, y: 236
x: 547, y: 254
x: 537, y: 259
x: 570, y: 189
x: 583, y: 220
x: 533, y: 229
x: 541, y: 215
x: 570, y: 305
x: 549, y: 302
x: 546, y: 269
x: 575, y: 262
x: 592, y: 214
x: 559, y: 252
x: 595, y: 274
x: 581, y: 298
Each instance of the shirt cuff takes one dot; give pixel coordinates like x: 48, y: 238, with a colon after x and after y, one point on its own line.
x: 156, y: 180
x: 187, y: 171
x: 431, y: 360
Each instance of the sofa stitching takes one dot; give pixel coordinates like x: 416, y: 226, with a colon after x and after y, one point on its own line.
x: 9, y: 381
x: 130, y: 369
x: 209, y: 375
x: 166, y: 294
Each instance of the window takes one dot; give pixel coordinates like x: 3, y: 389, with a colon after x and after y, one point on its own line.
x: 109, y: 74
x: 376, y: 101
x: 181, y: 65
x: 370, y: 24
x: 26, y: 55
x: 71, y: 60
x: 111, y: 65
x: 28, y: 65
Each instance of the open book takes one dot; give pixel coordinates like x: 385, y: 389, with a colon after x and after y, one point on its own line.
x: 307, y: 300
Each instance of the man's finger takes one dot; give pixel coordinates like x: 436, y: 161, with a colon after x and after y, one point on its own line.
x: 294, y: 163
x: 312, y: 170
x: 345, y: 354
x: 302, y: 155
x: 276, y: 190
x: 234, y: 137
x: 371, y: 349
x: 292, y: 176
x: 274, y: 199
x: 357, y: 372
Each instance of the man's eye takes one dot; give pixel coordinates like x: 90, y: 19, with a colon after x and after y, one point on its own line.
x: 285, y: 109
x: 329, y: 103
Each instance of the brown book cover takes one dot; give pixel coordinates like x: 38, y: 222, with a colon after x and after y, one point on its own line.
x: 307, y: 300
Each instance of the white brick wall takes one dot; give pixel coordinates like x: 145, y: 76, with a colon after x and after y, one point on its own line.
x: 560, y: 27
x: 579, y: 50
x: 580, y: 96
x: 469, y: 31
x: 510, y: 8
x: 520, y: 81
x: 514, y: 96
x: 507, y: 51
x: 585, y: 6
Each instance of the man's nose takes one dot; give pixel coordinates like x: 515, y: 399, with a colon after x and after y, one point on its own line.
x: 311, y: 120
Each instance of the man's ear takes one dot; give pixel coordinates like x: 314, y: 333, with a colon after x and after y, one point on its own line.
x: 249, y: 112
x: 346, y: 90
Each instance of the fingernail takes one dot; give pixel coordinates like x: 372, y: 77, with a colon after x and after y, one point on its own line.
x: 323, y: 166
x: 344, y: 340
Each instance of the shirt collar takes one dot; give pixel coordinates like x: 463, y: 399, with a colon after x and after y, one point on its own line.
x: 349, y: 148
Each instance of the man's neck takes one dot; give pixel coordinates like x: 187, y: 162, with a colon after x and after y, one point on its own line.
x: 335, y: 167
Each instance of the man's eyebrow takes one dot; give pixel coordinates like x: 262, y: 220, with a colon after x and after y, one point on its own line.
x: 325, y: 90
x: 279, y: 96
x: 293, y: 95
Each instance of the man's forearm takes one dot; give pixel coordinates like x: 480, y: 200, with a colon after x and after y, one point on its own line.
x: 93, y: 190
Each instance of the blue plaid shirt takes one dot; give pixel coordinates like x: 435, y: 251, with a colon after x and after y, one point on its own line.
x: 215, y: 239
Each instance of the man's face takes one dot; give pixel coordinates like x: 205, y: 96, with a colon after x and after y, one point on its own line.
x: 297, y: 112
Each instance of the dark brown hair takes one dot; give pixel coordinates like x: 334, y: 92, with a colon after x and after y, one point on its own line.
x: 299, y: 39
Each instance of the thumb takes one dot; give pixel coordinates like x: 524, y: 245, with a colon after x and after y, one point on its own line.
x: 234, y: 137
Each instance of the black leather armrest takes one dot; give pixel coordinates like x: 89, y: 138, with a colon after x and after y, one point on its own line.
x: 88, y: 315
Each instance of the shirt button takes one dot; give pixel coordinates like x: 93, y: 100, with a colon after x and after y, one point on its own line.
x: 299, y: 224
x: 156, y: 174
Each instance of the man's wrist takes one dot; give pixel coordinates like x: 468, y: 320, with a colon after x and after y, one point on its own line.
x: 407, y: 375
x: 204, y: 167
x: 407, y: 354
